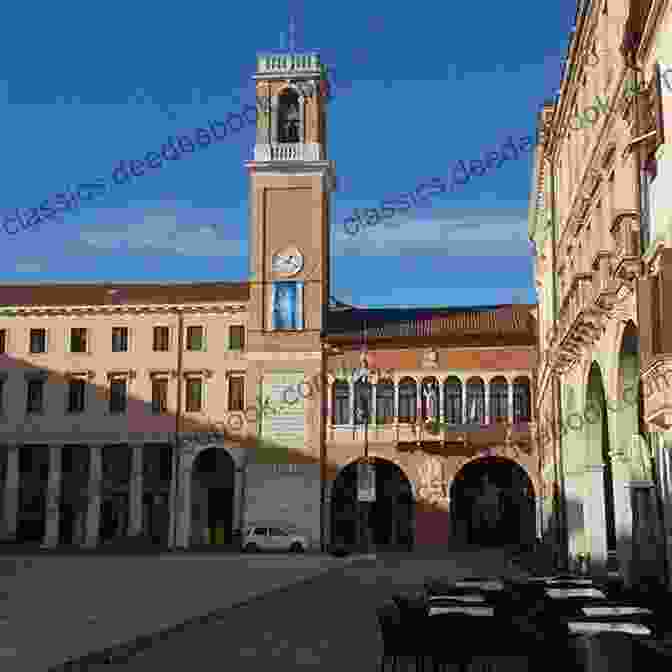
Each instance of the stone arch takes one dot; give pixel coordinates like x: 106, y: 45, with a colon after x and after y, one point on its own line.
x: 211, y: 476
x: 492, y: 502
x: 598, y: 479
x: 290, y: 115
x: 388, y: 522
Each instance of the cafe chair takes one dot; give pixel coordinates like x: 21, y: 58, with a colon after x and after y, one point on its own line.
x: 398, y: 640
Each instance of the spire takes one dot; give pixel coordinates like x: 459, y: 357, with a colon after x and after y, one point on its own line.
x: 292, y: 35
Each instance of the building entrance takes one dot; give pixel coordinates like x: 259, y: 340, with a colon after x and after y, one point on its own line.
x: 492, y: 504
x: 212, y: 497
x: 386, y: 523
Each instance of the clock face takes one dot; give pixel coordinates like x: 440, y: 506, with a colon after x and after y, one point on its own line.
x: 288, y: 261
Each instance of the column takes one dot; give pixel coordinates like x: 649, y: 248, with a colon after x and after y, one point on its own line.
x: 11, y: 492
x: 184, y: 503
x: 330, y: 401
x: 396, y: 401
x: 171, y: 504
x: 135, y: 491
x: 465, y: 410
x: 53, y: 497
x: 442, y: 403
x: 95, y: 486
x: 509, y: 388
x: 352, y: 400
x: 539, y: 515
x: 238, y: 499
x: 418, y: 401
x: 487, y: 402
x: 595, y: 518
x: 372, y: 419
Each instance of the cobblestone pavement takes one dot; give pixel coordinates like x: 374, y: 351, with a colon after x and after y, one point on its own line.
x: 61, y: 607
x: 328, y: 623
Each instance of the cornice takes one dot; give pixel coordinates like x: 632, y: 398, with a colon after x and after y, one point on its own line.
x: 79, y: 311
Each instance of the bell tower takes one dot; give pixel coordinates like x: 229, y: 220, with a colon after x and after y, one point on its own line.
x: 291, y: 180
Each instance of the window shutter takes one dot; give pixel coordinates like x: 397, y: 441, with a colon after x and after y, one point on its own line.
x: 68, y: 333
x: 204, y: 388
x: 204, y: 342
x: 227, y: 338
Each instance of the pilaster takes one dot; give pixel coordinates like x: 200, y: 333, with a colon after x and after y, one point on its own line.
x: 135, y: 491
x: 595, y: 517
x: 95, y: 486
x: 11, y: 492
x: 53, y: 497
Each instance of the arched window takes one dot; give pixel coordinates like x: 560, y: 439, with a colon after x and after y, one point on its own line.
x: 453, y: 400
x: 475, y: 400
x: 408, y: 400
x: 289, y: 117
x: 385, y: 402
x: 499, y: 399
x: 521, y: 400
x: 341, y: 399
x: 363, y: 410
x: 430, y: 399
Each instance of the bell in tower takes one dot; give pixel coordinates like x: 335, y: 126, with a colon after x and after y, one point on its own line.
x: 289, y: 117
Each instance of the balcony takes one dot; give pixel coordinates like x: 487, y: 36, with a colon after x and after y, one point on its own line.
x: 299, y: 151
x: 625, y: 232
x: 654, y: 308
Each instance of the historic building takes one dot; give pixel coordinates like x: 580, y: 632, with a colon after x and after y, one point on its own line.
x: 603, y: 273
x: 181, y: 413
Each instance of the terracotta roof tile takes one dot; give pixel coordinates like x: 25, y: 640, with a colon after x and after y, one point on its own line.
x: 112, y: 293
x: 429, y: 323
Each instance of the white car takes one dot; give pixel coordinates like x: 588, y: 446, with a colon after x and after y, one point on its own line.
x: 267, y: 538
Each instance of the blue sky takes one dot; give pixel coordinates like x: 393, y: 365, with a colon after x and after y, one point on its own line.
x: 418, y: 87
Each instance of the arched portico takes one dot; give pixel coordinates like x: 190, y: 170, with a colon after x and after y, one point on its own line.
x: 388, y: 521
x: 598, y: 475
x: 492, y: 502
x: 210, y: 495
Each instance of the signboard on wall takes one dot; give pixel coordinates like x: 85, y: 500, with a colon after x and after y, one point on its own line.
x: 283, y: 423
x: 366, y: 482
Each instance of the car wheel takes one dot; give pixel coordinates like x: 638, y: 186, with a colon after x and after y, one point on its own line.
x: 296, y: 547
x: 251, y: 548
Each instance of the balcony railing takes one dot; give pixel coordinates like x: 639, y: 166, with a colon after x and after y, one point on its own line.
x: 299, y: 151
x: 625, y: 231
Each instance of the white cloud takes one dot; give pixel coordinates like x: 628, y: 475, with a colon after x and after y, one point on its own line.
x: 470, y: 235
x: 28, y: 268
x: 160, y: 233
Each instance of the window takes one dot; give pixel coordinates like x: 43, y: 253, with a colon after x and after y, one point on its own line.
x: 159, y: 395
x: 430, y: 399
x: 289, y: 117
x: 287, y: 306
x: 499, y: 399
x: 407, y: 400
x: 161, y: 338
x: 385, y: 402
x: 76, y: 390
x: 521, y: 400
x: 194, y: 395
x: 2, y: 397
x: 118, y: 395
x: 3, y: 341
x: 195, y: 338
x: 261, y: 531
x: 453, y: 400
x: 35, y: 402
x: 363, y: 400
x: 78, y: 340
x: 341, y: 412
x: 475, y: 401
x: 38, y: 340
x: 237, y: 337
x: 236, y: 393
x: 119, y: 339
x: 277, y: 532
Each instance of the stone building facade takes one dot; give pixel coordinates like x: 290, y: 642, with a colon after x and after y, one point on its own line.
x: 602, y: 239
x: 181, y: 413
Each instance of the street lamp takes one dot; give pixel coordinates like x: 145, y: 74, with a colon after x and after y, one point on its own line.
x: 362, y: 414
